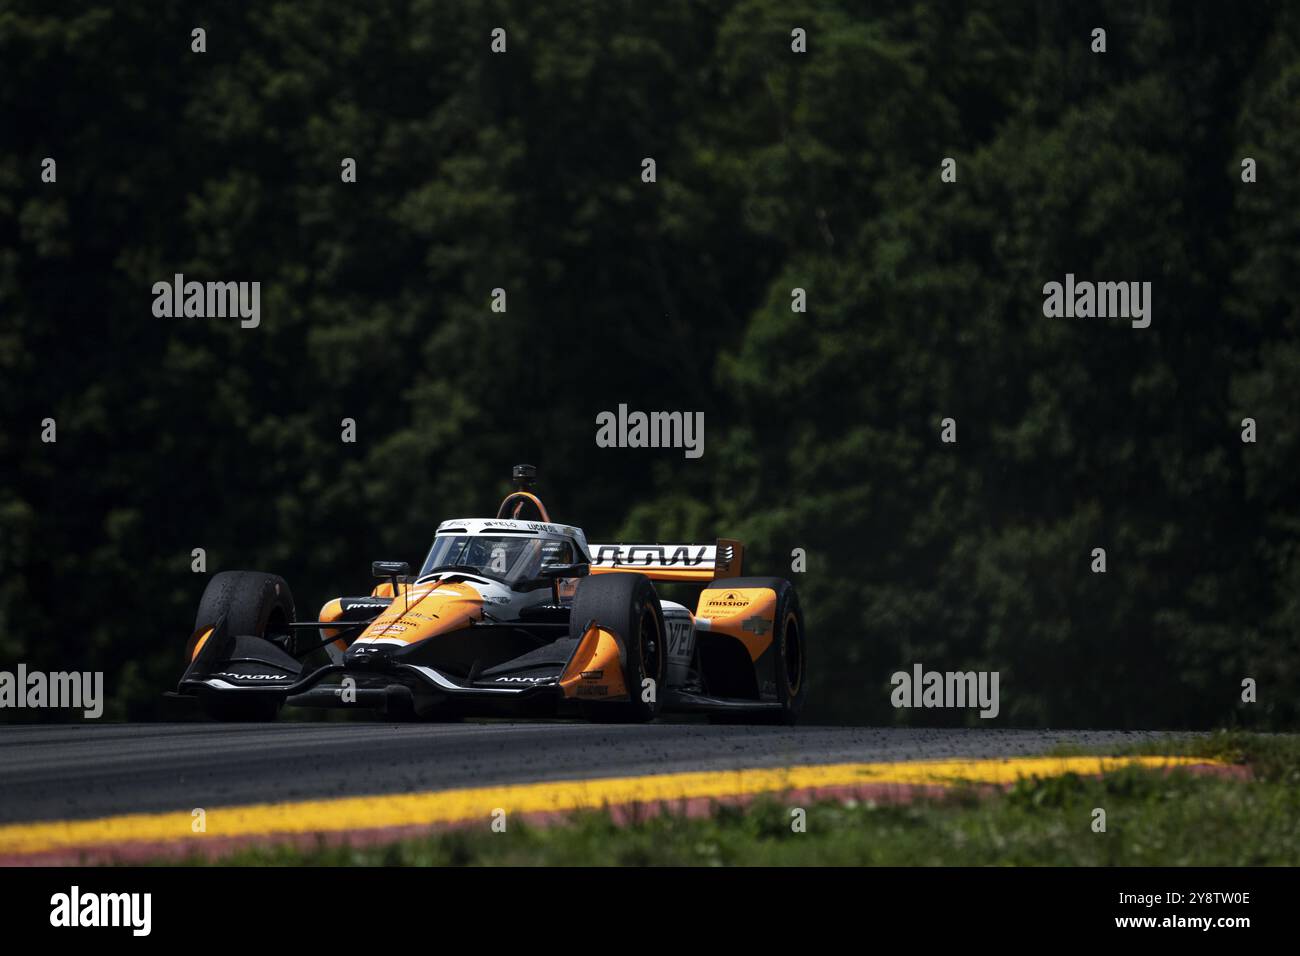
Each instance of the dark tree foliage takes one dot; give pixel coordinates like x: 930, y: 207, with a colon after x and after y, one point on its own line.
x: 775, y: 171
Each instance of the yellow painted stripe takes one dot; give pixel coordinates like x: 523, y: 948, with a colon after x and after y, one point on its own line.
x: 448, y: 806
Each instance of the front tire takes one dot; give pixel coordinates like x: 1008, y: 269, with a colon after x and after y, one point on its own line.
x: 628, y: 605
x: 253, y: 603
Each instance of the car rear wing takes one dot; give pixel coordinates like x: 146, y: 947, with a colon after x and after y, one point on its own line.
x: 671, y: 562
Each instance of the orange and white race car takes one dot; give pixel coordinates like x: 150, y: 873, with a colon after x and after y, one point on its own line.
x: 511, y: 615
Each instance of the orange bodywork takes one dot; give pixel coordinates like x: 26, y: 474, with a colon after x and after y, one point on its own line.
x: 426, y: 610
x: 699, y: 575
x: 595, y: 671
x: 332, y: 611
x: 197, y: 640
x: 746, y: 614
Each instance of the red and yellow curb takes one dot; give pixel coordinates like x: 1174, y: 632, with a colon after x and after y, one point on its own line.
x: 229, y: 827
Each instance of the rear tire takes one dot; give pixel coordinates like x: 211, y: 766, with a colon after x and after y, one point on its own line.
x: 255, y: 603
x: 790, y: 662
x: 627, y: 605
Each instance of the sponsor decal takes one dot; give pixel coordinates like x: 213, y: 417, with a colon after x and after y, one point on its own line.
x: 538, y: 526
x: 680, y: 638
x: 758, y: 625
x: 730, y: 600
x: 521, y: 680
x: 592, y: 675
x: 653, y: 555
x: 251, y: 676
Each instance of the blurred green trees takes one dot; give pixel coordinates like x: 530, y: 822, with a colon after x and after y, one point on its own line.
x: 775, y: 171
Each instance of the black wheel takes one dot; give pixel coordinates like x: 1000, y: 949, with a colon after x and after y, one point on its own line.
x: 627, y: 605
x: 789, y: 655
x: 254, y: 603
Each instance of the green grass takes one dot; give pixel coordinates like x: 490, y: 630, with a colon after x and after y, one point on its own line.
x: 1151, y: 819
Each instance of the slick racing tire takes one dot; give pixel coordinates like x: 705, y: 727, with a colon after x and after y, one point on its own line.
x: 790, y: 661
x: 254, y: 603
x: 627, y: 605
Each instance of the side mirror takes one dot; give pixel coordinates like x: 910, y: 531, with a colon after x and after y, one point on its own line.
x: 556, y: 571
x: 389, y: 569
x: 394, y: 571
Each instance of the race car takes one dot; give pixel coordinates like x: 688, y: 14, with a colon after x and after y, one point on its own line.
x: 511, y: 615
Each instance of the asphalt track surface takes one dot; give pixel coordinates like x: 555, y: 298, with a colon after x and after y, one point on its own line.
x: 92, y: 770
